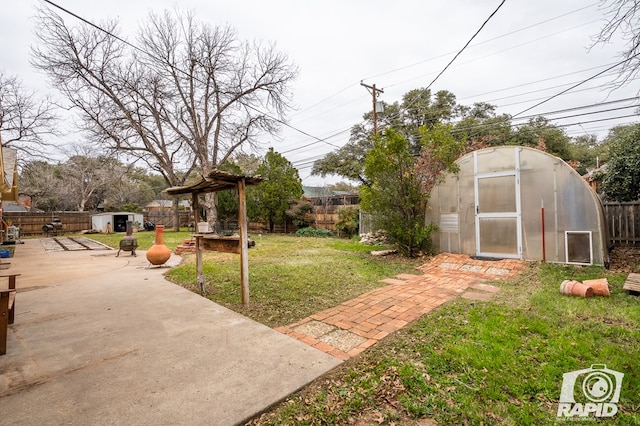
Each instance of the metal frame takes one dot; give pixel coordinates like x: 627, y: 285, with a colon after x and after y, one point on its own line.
x: 516, y: 215
x: 566, y: 247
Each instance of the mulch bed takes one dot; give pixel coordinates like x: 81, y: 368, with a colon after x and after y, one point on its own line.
x: 625, y: 259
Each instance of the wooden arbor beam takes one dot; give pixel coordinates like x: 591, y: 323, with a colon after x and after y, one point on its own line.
x: 214, y: 182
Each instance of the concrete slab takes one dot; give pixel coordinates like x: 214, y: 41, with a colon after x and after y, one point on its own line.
x: 105, y: 340
x: 485, y: 287
x: 474, y: 295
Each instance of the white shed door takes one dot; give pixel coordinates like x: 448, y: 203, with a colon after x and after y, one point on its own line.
x: 498, y: 218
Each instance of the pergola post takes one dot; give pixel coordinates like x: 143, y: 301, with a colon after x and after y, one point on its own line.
x: 196, y: 218
x: 244, y: 246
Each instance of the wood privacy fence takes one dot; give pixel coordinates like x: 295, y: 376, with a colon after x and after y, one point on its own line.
x: 31, y: 223
x: 623, y: 222
x: 166, y: 218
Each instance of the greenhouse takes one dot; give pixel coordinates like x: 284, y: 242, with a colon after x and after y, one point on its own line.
x: 521, y: 203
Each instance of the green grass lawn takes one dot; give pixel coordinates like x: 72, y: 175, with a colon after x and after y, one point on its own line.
x: 145, y: 238
x: 498, y: 362
x: 493, y: 363
x: 291, y: 277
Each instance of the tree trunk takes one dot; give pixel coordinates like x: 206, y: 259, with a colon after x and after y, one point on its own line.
x: 176, y: 213
x: 211, y: 210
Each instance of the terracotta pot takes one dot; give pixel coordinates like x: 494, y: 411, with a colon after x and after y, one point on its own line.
x: 575, y: 288
x: 158, y: 254
x: 600, y: 287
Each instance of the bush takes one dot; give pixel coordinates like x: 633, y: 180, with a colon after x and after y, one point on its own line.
x: 314, y: 232
x: 348, y: 221
x: 395, y: 195
x: 298, y: 213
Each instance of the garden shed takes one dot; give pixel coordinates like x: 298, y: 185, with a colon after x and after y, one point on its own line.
x: 114, y: 222
x: 521, y: 203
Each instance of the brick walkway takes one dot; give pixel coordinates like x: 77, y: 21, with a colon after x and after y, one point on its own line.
x: 348, y: 329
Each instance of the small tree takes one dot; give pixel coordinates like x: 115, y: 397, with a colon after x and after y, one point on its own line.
x: 272, y: 197
x: 348, y: 221
x: 395, y: 196
x: 622, y: 180
x: 299, y: 213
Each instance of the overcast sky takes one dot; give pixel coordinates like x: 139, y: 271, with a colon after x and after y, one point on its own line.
x: 528, y: 52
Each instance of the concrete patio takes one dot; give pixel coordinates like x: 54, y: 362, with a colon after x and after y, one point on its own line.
x: 100, y: 339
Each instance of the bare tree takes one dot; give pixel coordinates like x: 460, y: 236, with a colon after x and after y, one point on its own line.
x: 86, y: 180
x: 128, y: 189
x: 623, y: 19
x: 83, y: 181
x: 24, y: 119
x: 182, y: 100
x: 39, y: 180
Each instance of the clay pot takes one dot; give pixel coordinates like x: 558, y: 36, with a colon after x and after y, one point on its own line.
x: 158, y: 254
x: 600, y: 287
x: 575, y: 288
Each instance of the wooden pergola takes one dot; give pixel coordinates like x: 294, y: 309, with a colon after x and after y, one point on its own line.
x: 214, y: 182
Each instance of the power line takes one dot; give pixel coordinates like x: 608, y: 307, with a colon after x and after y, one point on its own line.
x: 553, y: 112
x: 333, y: 109
x: 499, y: 51
x: 586, y: 130
x: 536, y: 82
x: 531, y: 92
x: 560, y: 111
x: 585, y: 89
x: 463, y: 48
x: 576, y: 85
x: 482, y: 126
x: 324, y: 100
x: 467, y: 44
x: 478, y: 127
x: 482, y: 42
x: 309, y: 161
x: 316, y: 142
x: 492, y: 39
x: 597, y: 120
x: 99, y: 28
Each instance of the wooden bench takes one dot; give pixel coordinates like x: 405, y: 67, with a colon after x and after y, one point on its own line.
x: 7, y: 309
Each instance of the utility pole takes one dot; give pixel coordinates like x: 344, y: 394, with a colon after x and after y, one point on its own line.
x: 374, y: 91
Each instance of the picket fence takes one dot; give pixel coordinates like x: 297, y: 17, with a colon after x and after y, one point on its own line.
x: 623, y: 222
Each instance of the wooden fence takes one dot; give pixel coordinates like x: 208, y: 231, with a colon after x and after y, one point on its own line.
x: 31, y: 223
x: 623, y: 222
x: 166, y: 218
x: 622, y: 219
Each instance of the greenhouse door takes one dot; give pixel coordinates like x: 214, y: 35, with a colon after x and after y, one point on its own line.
x: 498, y: 219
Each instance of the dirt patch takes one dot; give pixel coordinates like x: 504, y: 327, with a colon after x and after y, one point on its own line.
x: 625, y: 259
x: 343, y: 340
x: 314, y: 329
